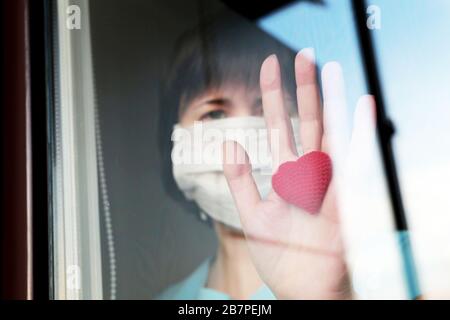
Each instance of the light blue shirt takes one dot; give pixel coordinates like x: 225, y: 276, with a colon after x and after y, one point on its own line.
x: 193, y: 288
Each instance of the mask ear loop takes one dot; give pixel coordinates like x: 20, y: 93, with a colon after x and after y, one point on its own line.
x: 106, y: 204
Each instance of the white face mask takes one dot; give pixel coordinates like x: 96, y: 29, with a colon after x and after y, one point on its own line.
x: 197, y: 162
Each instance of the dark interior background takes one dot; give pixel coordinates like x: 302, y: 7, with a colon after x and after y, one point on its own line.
x: 156, y: 242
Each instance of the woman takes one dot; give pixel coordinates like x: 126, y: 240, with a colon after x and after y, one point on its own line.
x: 229, y: 71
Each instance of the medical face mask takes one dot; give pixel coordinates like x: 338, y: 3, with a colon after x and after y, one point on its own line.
x: 198, y: 166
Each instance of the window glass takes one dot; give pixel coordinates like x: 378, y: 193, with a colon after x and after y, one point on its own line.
x: 133, y: 220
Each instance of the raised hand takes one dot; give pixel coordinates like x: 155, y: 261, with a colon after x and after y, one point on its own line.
x: 299, y: 255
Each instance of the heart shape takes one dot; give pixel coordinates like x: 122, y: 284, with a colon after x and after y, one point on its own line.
x: 305, y: 181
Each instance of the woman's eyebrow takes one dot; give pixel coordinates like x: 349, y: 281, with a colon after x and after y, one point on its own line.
x: 219, y: 101
x: 214, y: 101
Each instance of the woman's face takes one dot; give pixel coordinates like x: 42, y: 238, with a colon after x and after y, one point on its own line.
x: 223, y: 103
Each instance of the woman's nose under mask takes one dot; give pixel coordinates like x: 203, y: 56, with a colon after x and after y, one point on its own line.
x: 198, y: 166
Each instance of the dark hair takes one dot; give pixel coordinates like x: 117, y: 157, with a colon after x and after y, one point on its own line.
x: 227, y: 49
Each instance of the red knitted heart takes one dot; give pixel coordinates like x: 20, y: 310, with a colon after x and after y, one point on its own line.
x: 304, y: 182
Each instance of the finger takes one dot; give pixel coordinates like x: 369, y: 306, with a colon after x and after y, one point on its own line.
x: 308, y: 101
x: 363, y: 142
x: 336, y: 113
x: 278, y: 123
x: 364, y: 120
x: 238, y: 172
x: 335, y: 138
x: 360, y: 152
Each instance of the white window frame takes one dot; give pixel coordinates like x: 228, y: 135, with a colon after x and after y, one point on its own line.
x: 76, y: 219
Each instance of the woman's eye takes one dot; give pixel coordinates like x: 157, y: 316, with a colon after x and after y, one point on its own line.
x: 214, y: 115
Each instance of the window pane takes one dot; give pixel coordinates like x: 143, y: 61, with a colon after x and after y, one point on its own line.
x: 130, y: 222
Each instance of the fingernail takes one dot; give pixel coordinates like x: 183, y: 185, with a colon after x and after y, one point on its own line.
x: 269, y: 77
x: 309, y: 54
x: 305, y: 60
